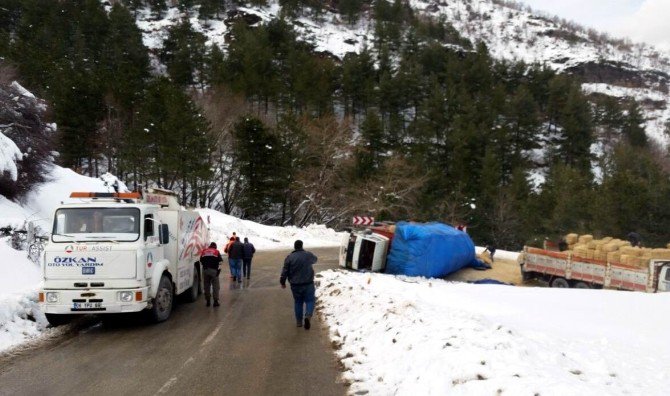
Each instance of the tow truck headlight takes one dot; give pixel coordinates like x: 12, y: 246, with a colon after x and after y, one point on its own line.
x: 126, y: 296
x: 52, y: 297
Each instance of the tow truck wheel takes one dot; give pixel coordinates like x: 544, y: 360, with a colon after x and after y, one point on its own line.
x: 560, y: 282
x: 581, y: 285
x: 193, y: 292
x: 162, y: 306
x: 58, y: 320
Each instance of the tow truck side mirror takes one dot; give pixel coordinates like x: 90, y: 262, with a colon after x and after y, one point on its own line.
x: 164, y: 234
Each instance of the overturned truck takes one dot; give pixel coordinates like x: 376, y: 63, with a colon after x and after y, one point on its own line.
x: 433, y: 250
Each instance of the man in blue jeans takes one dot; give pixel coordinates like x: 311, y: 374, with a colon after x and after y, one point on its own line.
x: 235, y: 255
x: 300, y: 274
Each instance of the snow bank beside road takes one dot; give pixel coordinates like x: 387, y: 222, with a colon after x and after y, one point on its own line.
x: 222, y: 226
x: 416, y: 336
x: 20, y: 317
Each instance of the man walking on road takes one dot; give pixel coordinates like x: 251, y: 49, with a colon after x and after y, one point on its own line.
x: 249, y: 251
x: 235, y: 255
x: 211, y: 263
x: 226, y: 250
x: 300, y: 274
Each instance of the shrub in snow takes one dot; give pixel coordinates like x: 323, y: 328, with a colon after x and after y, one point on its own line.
x: 25, y: 141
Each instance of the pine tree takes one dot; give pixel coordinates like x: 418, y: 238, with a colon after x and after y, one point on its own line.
x: 573, y: 141
x: 370, y: 156
x: 168, y: 144
x: 258, y: 154
x: 633, y: 126
x: 184, y: 54
x: 216, y: 72
x: 125, y: 59
x: 158, y: 7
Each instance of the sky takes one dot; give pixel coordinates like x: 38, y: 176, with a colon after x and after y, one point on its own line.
x: 639, y: 20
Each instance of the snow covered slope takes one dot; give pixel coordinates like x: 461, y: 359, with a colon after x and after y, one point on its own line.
x: 264, y: 237
x: 510, y: 31
x: 410, y: 336
x: 39, y: 205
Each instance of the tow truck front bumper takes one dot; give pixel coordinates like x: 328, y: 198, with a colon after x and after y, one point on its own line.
x: 98, y: 301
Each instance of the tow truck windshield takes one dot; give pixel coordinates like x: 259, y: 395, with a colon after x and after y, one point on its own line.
x: 96, y: 224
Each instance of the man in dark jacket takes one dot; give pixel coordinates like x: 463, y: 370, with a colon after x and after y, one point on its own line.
x: 299, y: 272
x: 249, y: 251
x: 634, y: 238
x: 211, y: 260
x: 235, y: 255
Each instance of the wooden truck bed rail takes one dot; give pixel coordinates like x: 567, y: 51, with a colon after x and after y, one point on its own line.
x: 607, y: 274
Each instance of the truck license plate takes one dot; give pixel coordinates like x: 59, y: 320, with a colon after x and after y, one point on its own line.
x: 87, y: 305
x: 88, y: 270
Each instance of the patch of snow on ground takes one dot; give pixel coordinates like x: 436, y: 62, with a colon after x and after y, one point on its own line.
x: 500, y: 254
x: 410, y: 336
x: 222, y: 226
x: 20, y: 316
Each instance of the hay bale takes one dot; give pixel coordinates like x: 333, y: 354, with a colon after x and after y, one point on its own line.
x: 572, y: 239
x: 643, y: 262
x: 599, y: 255
x: 631, y: 251
x: 614, y: 257
x: 585, y: 238
x: 607, y: 239
x: 660, y: 254
x: 668, y: 245
x: 571, y: 247
x: 610, y: 247
x: 589, y: 254
x: 580, y: 251
x: 623, y: 259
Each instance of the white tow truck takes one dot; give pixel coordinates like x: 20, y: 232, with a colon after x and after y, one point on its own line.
x: 112, y: 253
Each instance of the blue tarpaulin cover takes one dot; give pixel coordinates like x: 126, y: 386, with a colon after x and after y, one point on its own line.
x: 433, y: 250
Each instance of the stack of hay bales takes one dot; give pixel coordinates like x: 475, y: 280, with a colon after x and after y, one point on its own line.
x: 572, y: 239
x: 613, y: 250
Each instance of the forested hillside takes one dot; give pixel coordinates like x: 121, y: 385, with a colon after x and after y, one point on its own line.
x: 419, y: 123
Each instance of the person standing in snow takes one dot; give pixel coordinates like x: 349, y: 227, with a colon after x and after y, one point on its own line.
x: 491, y: 249
x: 235, y: 256
x: 226, y: 250
x: 299, y: 272
x: 211, y: 260
x: 249, y: 251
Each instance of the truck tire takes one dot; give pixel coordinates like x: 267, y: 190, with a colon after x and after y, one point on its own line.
x: 581, y: 285
x: 162, y: 305
x: 560, y: 283
x: 56, y: 320
x: 193, y: 292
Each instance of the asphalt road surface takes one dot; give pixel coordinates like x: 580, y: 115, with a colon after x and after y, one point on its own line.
x: 248, y: 346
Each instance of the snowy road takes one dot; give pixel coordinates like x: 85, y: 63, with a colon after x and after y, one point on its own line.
x: 249, y: 345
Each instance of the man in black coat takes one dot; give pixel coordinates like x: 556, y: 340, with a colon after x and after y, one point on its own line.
x: 249, y: 251
x: 300, y: 274
x: 235, y: 256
